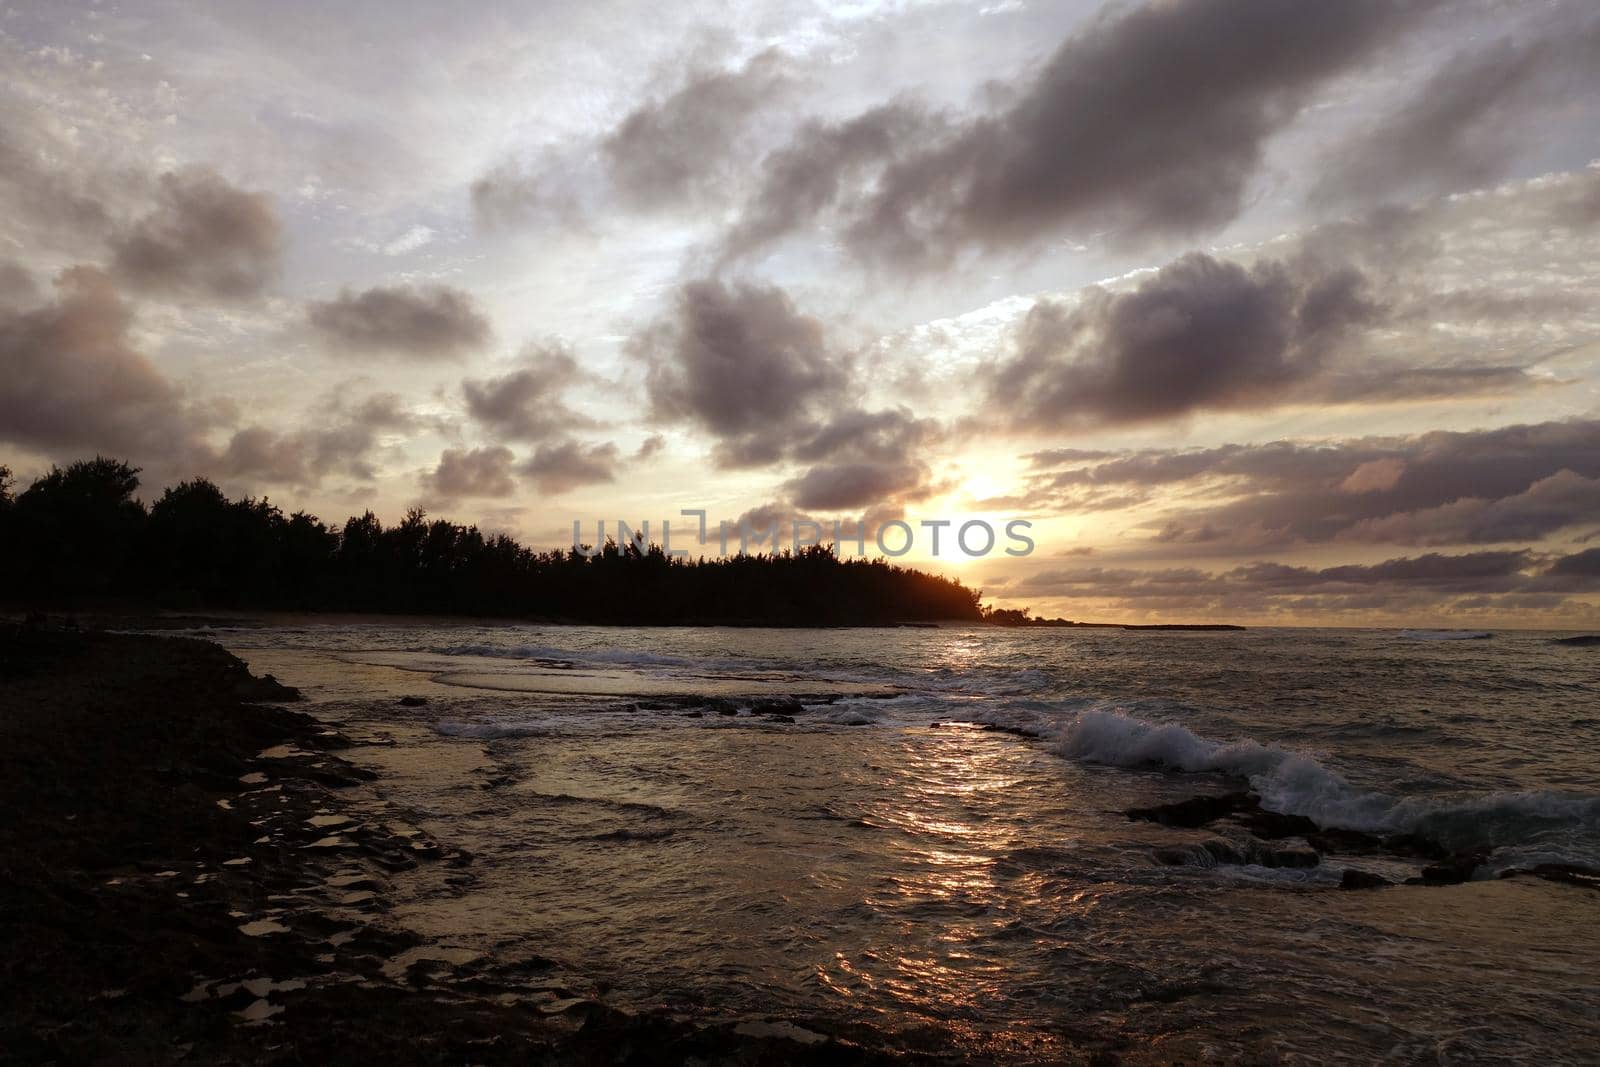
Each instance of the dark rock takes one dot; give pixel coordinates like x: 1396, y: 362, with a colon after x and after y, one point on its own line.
x: 412, y: 702
x: 266, y: 688
x: 1583, y: 641
x: 722, y: 706
x: 1221, y: 853
x: 777, y: 706
x: 1358, y: 879
x: 1194, y: 812
x: 694, y: 715
x: 1452, y: 871
x: 1565, y: 873
x: 782, y: 718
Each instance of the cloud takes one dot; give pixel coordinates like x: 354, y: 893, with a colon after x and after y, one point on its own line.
x: 340, y: 440
x: 556, y: 468
x: 205, y: 238
x: 1463, y: 128
x: 1199, y: 334
x: 73, y: 382
x: 1436, y: 585
x: 479, y: 472
x: 526, y: 404
x: 819, y: 164
x: 838, y: 486
x: 676, y: 149
x: 419, y: 322
x: 649, y: 447
x: 687, y: 146
x: 1512, y: 485
x: 740, y: 362
x: 1153, y: 120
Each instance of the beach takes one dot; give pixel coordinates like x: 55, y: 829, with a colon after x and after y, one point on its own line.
x: 183, y: 882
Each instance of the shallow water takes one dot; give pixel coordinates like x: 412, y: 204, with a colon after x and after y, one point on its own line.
x: 887, y: 860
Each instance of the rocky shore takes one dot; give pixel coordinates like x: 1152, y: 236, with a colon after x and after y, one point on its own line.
x: 179, y: 883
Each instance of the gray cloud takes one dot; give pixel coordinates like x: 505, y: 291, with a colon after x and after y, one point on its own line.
x: 821, y: 162
x: 1437, y: 584
x: 1516, y: 484
x: 1199, y: 334
x: 684, y: 147
x: 479, y: 472
x: 342, y: 440
x: 73, y: 381
x: 676, y: 149
x: 556, y: 468
x: 838, y: 486
x: 740, y: 362
x: 1152, y: 120
x: 1464, y: 127
x: 421, y: 322
x: 526, y: 404
x: 205, y: 238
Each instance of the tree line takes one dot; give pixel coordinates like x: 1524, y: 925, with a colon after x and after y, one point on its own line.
x: 80, y: 536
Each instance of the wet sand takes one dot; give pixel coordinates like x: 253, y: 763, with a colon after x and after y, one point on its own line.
x: 182, y: 880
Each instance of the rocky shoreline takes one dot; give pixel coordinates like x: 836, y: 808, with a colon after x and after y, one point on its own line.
x: 181, y: 883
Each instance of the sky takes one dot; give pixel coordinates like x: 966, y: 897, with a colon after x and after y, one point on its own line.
x: 1257, y: 311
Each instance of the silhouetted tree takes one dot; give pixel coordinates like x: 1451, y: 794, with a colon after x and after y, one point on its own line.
x: 77, y: 530
x: 85, y: 533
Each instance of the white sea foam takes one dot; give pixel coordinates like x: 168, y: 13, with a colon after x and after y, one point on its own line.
x: 1295, y: 783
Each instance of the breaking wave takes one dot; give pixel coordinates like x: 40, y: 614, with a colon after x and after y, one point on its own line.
x: 1294, y: 783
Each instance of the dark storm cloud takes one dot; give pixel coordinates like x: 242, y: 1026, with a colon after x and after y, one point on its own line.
x: 1517, y: 484
x: 71, y: 379
x: 1153, y: 120
x: 526, y: 404
x: 205, y: 238
x: 342, y: 440
x: 556, y: 468
x: 421, y: 322
x: 1465, y: 125
x: 479, y: 472
x: 1199, y: 334
x: 742, y: 363
x: 674, y: 149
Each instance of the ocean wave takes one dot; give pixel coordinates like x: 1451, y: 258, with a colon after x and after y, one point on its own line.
x: 1296, y: 783
x: 611, y: 657
x: 1445, y: 635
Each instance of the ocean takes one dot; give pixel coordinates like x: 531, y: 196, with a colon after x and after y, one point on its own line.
x: 936, y: 851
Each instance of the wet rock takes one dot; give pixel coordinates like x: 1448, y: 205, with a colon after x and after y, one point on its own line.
x: 777, y: 706
x: 1194, y: 812
x: 781, y: 718
x: 412, y: 701
x: 722, y: 706
x: 1459, y: 868
x: 1221, y: 853
x: 1565, y: 873
x: 266, y: 688
x: 1582, y: 641
x: 1358, y: 879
